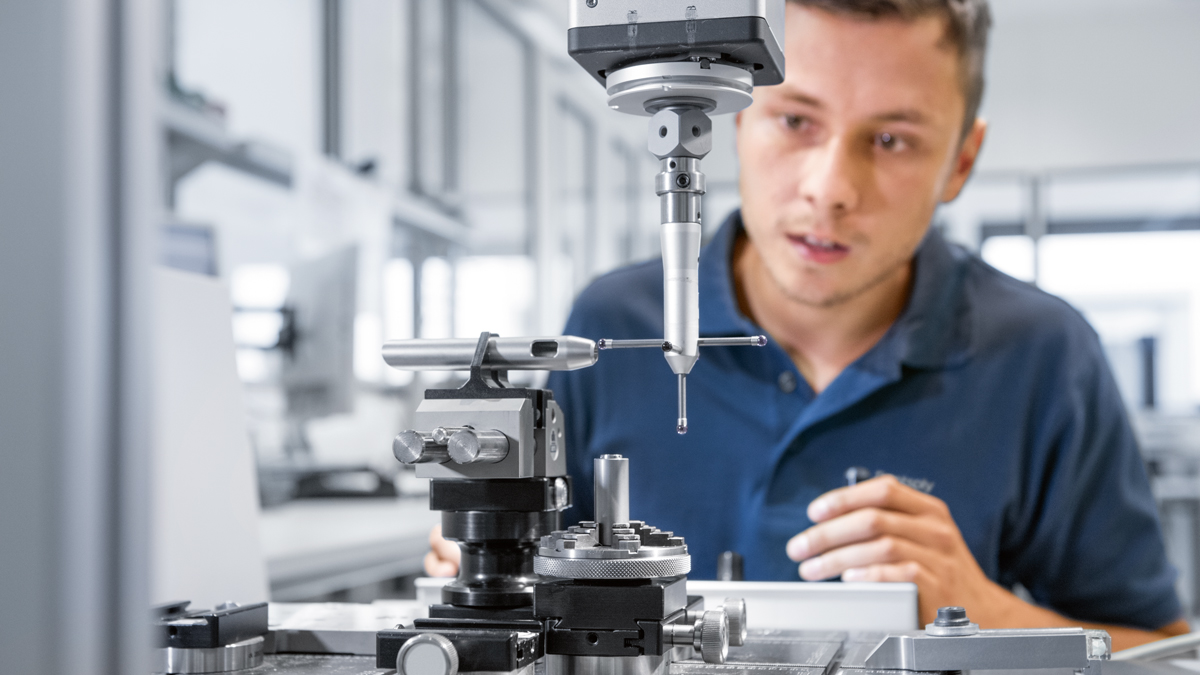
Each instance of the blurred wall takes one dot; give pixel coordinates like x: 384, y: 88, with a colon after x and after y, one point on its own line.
x: 1092, y: 82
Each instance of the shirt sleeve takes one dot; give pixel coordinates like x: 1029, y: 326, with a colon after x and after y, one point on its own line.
x: 1092, y: 546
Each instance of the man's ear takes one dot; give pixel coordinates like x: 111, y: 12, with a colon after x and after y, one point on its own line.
x: 964, y: 163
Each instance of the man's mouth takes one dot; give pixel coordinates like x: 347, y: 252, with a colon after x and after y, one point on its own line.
x: 817, y: 249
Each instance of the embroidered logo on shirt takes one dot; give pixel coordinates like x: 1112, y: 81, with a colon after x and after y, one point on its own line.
x: 920, y: 484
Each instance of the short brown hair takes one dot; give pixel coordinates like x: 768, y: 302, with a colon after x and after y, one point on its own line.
x: 967, y: 25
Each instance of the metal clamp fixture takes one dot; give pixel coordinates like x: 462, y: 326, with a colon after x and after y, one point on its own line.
x: 612, y: 547
x: 225, y: 639
x: 959, y: 645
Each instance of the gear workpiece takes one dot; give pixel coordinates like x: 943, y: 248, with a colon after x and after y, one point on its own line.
x: 609, y: 596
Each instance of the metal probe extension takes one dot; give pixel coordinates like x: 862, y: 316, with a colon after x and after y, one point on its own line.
x: 670, y: 349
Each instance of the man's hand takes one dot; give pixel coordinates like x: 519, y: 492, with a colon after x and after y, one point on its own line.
x: 883, y: 530
x: 443, y: 557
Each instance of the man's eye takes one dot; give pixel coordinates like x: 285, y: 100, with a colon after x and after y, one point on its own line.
x: 796, y: 122
x: 886, y: 141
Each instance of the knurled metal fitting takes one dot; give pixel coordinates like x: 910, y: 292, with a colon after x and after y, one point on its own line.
x: 713, y: 636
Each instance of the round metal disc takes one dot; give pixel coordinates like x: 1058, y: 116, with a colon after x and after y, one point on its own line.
x: 427, y: 654
x: 649, y: 87
x: 633, y: 568
x: 237, y: 656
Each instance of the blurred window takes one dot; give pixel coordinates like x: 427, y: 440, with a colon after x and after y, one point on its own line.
x: 1013, y: 255
x: 437, y: 297
x: 492, y: 140
x: 1133, y: 286
x: 496, y: 294
x: 375, y: 73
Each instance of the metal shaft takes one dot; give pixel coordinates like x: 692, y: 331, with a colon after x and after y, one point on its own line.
x: 681, y: 294
x: 612, y: 494
x: 563, y: 352
x: 681, y: 425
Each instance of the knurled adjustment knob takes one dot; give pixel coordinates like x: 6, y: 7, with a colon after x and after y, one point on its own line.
x: 713, y: 636
x: 735, y: 611
x: 427, y: 654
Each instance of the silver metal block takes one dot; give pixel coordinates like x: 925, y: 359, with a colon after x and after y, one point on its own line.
x: 1028, y: 649
x: 616, y: 12
x: 512, y: 417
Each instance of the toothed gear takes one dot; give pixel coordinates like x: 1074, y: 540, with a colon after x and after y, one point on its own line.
x: 638, y: 552
x: 714, y: 636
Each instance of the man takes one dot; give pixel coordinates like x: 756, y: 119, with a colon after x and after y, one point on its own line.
x: 984, y: 406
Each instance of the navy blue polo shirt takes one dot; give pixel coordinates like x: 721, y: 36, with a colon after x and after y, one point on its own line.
x: 991, y: 395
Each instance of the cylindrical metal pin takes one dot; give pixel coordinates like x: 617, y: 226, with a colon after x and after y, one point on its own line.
x: 681, y: 424
x: 471, y: 446
x: 415, y: 447
x: 612, y: 494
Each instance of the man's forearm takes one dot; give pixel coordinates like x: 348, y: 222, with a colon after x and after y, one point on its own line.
x: 1017, y: 613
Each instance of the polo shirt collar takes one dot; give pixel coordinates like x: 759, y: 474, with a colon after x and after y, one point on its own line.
x: 933, y: 331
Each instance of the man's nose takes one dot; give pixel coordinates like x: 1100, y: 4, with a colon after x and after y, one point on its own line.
x: 828, y: 178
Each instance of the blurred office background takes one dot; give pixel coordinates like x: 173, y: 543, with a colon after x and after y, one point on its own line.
x: 351, y: 171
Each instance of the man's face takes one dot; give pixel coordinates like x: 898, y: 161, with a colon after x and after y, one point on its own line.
x: 843, y: 164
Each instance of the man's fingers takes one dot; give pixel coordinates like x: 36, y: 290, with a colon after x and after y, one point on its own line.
x: 444, y: 549
x: 447, y: 550
x: 870, y: 523
x: 891, y: 573
x: 884, y: 492
x: 436, y: 567
x: 851, y: 528
x: 879, y: 551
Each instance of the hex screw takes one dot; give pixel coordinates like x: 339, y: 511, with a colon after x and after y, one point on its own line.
x: 951, y: 616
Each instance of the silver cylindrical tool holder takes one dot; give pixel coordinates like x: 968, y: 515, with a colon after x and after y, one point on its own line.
x: 562, y: 352
x: 680, y: 186
x: 681, y: 294
x: 471, y: 446
x: 612, y: 494
x: 415, y: 447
